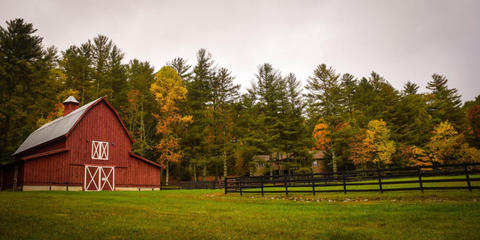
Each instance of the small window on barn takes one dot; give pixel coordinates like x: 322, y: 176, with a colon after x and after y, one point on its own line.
x: 99, y: 150
x: 315, y: 163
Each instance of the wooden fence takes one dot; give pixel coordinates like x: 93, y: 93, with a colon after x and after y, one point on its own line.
x: 379, y: 180
x: 193, y: 185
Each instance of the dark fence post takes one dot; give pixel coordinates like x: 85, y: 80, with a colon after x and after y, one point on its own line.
x: 344, y: 183
x: 225, y: 186
x: 380, y: 180
x: 313, y: 184
x: 240, y: 186
x: 420, y: 178
x: 261, y: 182
x: 286, y: 186
x: 467, y: 176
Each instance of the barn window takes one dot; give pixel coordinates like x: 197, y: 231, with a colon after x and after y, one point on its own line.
x: 99, y: 150
x: 315, y: 164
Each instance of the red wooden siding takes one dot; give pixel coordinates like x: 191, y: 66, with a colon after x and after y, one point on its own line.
x: 58, y: 144
x: 138, y: 173
x: 49, y: 170
x: 67, y: 167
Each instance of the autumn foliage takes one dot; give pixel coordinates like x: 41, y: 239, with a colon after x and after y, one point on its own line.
x: 321, y: 136
x: 169, y: 91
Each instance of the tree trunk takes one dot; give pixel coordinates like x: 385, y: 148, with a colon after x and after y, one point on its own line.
x: 195, y: 173
x: 334, y: 161
x: 166, y: 177
x: 224, y: 154
x: 204, y: 172
x: 142, y: 130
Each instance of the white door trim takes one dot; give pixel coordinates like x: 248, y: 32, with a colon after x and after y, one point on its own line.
x: 99, y: 178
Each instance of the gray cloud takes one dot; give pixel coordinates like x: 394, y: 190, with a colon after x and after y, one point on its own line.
x: 401, y: 40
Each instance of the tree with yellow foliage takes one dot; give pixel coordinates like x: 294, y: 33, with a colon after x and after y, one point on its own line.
x: 447, y: 146
x: 378, y: 137
x: 169, y: 91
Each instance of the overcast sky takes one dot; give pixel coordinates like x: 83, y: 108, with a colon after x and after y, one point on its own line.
x: 401, y: 40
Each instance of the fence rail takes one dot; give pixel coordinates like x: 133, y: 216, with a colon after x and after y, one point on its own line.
x: 193, y: 185
x: 450, y: 176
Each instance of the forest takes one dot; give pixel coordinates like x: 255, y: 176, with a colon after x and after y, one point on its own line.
x: 193, y: 119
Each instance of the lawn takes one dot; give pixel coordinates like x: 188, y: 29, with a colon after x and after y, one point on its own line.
x: 208, y: 214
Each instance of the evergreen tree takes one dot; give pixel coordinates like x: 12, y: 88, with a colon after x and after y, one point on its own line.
x: 224, y: 94
x: 76, y: 65
x: 137, y: 110
x: 269, y: 92
x: 196, y: 146
x: 444, y: 104
x: 411, y: 123
x: 28, y: 83
x: 349, y: 87
x: 180, y: 65
x: 326, y: 104
x: 295, y: 136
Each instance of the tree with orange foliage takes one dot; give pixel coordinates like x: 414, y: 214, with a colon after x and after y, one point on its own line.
x: 330, y: 139
x: 360, y: 150
x: 415, y: 156
x: 321, y: 136
x: 169, y: 92
x: 473, y: 116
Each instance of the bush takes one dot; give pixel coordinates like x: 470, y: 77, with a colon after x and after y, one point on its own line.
x: 303, y: 170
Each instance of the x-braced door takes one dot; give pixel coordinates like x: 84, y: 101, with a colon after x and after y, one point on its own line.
x: 99, y: 178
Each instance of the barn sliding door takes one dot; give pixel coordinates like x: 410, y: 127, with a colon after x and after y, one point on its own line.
x: 99, y: 178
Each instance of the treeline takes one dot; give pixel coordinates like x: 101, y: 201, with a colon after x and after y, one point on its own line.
x: 198, y: 115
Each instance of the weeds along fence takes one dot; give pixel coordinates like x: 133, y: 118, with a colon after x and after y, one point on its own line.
x: 421, y: 178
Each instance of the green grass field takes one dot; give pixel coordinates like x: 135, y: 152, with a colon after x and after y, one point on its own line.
x: 208, y: 214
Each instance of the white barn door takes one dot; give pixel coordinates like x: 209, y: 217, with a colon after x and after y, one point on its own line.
x: 99, y: 178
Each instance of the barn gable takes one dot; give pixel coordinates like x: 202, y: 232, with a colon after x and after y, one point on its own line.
x: 62, y: 127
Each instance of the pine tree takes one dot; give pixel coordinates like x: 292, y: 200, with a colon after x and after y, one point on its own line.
x: 137, y: 110
x: 411, y: 123
x: 444, y: 104
x: 326, y: 103
x: 349, y: 87
x: 295, y: 136
x: 27, y: 83
x: 76, y: 64
x: 269, y: 92
x: 181, y: 66
x: 224, y: 94
x: 196, y: 145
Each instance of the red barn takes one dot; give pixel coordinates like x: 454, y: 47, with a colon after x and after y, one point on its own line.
x: 88, y: 148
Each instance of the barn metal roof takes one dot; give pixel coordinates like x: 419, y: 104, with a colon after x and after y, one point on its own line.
x: 53, y: 129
